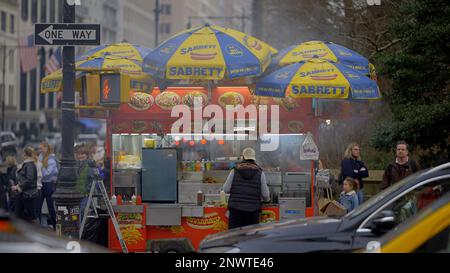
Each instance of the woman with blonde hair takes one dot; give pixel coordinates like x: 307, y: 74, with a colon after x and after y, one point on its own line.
x: 353, y: 167
x: 49, y: 176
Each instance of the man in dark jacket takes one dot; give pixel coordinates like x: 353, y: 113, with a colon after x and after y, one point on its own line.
x: 246, y: 184
x: 401, y: 168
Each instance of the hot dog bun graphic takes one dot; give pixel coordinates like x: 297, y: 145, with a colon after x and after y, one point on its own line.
x: 203, y: 56
x: 252, y: 43
x: 324, y: 78
x: 205, y: 222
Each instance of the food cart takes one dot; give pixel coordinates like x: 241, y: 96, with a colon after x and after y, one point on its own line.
x: 168, y: 170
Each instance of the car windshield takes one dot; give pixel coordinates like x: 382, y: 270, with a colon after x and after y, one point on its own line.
x: 382, y: 195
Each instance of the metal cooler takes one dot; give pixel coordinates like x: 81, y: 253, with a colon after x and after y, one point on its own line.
x: 159, y: 175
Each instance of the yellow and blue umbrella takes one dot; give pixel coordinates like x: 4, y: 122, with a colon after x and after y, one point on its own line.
x: 323, y: 50
x: 209, y: 53
x: 125, y: 57
x: 318, y: 78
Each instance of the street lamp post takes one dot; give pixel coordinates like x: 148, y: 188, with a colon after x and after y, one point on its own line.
x: 67, y: 197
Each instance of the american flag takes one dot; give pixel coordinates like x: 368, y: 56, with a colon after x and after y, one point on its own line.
x: 54, y: 62
x: 28, y: 53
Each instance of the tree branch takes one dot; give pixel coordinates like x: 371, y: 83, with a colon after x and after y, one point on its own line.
x: 394, y: 42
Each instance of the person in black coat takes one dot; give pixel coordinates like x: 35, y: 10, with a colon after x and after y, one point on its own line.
x: 352, y: 166
x: 26, y: 187
x: 11, y: 174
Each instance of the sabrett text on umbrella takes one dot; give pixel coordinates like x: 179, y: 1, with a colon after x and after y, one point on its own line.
x: 194, y: 71
x: 312, y: 72
x: 186, y: 50
x: 296, y: 53
x: 317, y: 89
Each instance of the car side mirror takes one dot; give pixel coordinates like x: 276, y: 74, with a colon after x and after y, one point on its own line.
x: 383, y: 222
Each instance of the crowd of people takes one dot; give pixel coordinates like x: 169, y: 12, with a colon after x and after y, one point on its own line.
x: 25, y: 186
x: 353, y: 171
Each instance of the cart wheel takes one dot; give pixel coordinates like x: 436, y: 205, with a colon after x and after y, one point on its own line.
x: 172, y: 246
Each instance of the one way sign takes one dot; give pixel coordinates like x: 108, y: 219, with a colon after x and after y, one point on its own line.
x: 67, y: 34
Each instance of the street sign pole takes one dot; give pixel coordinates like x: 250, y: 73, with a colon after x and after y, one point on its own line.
x: 67, y: 197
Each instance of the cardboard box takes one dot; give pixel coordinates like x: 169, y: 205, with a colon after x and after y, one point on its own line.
x: 334, y: 208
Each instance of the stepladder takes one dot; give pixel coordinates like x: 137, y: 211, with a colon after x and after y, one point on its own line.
x: 90, y: 211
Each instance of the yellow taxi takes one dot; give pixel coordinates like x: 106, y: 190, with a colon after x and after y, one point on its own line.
x: 427, y: 232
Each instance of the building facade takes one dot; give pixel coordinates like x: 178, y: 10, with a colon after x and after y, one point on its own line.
x: 176, y: 16
x: 9, y: 85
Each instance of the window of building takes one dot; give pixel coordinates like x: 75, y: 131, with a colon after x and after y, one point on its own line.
x: 34, y: 10
x: 1, y: 56
x: 166, y: 9
x: 164, y: 28
x: 23, y: 91
x: 43, y: 11
x: 61, y: 12
x: 11, y: 60
x: 12, y: 23
x: 25, y: 10
x: 33, y: 90
x: 52, y: 14
x: 11, y: 95
x: 3, y: 20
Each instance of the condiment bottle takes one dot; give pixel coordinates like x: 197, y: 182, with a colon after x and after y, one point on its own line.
x: 114, y: 200
x: 223, y: 198
x: 198, y: 166
x: 119, y: 199
x: 203, y: 165
x: 133, y: 199
x: 139, y: 200
x: 199, y: 198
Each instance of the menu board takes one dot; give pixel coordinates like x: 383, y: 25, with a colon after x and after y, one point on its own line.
x: 151, y: 112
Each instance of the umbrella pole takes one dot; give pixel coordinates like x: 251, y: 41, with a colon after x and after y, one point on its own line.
x: 209, y: 91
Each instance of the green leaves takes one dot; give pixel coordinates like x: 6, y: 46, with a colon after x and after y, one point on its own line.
x: 419, y: 69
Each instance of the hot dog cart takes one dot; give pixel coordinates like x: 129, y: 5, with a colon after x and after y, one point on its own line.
x: 169, y: 170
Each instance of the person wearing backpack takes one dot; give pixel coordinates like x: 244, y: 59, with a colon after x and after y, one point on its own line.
x: 49, y: 177
x: 402, y: 167
x: 352, y: 166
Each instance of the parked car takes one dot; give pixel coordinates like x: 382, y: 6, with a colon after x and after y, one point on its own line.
x: 427, y: 232
x: 368, y: 222
x: 17, y: 236
x: 8, y: 144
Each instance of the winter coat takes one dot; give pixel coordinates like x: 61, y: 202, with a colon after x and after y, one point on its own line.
x: 349, y: 200
x: 27, y: 176
x: 11, y: 173
x: 245, y: 191
x: 86, y: 175
x: 395, y: 172
x: 355, y: 169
